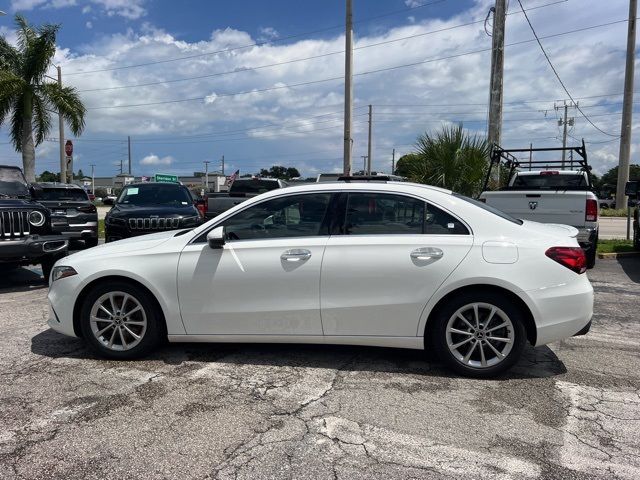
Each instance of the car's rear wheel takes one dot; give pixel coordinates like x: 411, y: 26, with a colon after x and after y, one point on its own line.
x: 120, y: 321
x: 479, y: 334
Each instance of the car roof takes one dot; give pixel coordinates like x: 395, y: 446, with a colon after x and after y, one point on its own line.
x: 387, y: 186
x: 57, y: 185
x: 14, y: 167
x: 137, y: 184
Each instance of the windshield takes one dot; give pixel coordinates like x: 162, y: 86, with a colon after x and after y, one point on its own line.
x: 489, y: 209
x: 155, y: 194
x: 61, y: 194
x: 12, y: 183
x: 549, y: 181
x: 253, y: 186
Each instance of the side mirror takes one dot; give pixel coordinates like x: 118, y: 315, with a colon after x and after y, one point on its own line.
x: 215, y: 238
x: 631, y: 189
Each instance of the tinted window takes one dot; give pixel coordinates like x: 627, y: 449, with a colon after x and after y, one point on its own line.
x: 12, y: 182
x: 292, y: 216
x: 61, y: 194
x: 489, y: 209
x: 549, y: 182
x: 254, y: 185
x: 387, y: 214
x: 155, y: 194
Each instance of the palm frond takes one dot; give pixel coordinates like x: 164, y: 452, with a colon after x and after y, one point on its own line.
x: 10, y: 57
x: 67, y: 101
x: 26, y: 34
x: 11, y: 88
x: 41, y: 119
x: 39, y: 54
x: 17, y: 122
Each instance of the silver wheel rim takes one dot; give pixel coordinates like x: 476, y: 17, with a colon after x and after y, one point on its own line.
x: 118, y: 321
x: 480, y: 335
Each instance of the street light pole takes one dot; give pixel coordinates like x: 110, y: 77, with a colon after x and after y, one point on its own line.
x: 63, y: 160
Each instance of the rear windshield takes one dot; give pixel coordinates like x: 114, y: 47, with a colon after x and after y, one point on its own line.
x: 253, y: 186
x: 489, y: 209
x: 61, y: 194
x: 549, y: 182
x: 155, y: 194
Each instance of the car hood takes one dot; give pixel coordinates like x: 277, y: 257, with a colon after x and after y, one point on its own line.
x: 17, y: 203
x: 134, y: 211
x: 128, y: 245
x: 551, y: 229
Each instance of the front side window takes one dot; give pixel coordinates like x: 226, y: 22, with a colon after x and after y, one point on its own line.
x: 291, y: 216
x: 388, y: 214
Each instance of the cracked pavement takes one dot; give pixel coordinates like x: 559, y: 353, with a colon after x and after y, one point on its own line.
x: 568, y: 410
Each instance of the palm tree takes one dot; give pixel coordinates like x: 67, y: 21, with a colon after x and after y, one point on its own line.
x: 451, y: 158
x: 26, y: 99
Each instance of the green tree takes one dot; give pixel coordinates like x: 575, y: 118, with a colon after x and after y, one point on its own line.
x: 609, y: 180
x: 26, y: 99
x: 48, y: 176
x: 406, y: 164
x: 283, y: 173
x: 451, y: 158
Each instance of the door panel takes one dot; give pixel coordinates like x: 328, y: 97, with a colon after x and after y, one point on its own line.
x: 373, y: 285
x: 252, y: 287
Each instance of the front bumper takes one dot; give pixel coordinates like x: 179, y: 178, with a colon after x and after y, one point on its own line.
x: 32, y: 248
x: 563, y: 310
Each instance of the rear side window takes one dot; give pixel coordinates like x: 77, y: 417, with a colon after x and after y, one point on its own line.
x: 549, y: 181
x: 388, y: 214
x: 61, y: 194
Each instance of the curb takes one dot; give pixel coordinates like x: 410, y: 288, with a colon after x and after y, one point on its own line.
x: 614, y: 255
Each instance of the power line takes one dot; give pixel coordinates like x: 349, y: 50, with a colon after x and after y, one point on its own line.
x: 258, y: 44
x: 566, y: 90
x: 379, y: 70
x: 288, y: 62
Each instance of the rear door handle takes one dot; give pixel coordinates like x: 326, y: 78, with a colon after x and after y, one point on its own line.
x: 296, y: 255
x: 427, y: 253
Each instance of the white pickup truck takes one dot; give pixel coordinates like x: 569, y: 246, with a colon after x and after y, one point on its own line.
x: 552, y: 196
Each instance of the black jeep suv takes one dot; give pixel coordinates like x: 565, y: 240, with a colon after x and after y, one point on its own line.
x: 72, y: 213
x: 26, y: 237
x: 143, y: 208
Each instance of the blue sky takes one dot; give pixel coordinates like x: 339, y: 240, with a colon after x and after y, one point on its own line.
x: 256, y: 119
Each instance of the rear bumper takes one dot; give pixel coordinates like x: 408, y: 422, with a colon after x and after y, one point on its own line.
x: 32, y: 248
x: 587, y: 236
x: 562, y: 310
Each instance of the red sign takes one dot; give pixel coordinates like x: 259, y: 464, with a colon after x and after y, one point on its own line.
x: 68, y: 148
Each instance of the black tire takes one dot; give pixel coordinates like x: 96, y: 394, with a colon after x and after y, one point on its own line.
x: 591, y: 254
x: 151, y: 337
x: 487, y: 299
x: 47, y: 265
x: 636, y: 239
x: 90, y: 242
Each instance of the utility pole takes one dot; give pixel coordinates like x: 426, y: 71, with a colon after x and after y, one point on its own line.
x: 129, y: 152
x: 93, y: 179
x: 364, y: 163
x: 63, y: 159
x: 222, y: 165
x: 348, y: 88
x: 121, y: 166
x: 369, y: 143
x: 497, y: 71
x: 627, y: 110
x: 564, y: 122
x: 206, y: 174
x: 393, y: 161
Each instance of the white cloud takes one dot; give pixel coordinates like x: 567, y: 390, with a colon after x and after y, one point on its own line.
x: 89, y: 25
x: 152, y: 159
x: 413, y: 3
x: 267, y: 34
x: 130, y: 9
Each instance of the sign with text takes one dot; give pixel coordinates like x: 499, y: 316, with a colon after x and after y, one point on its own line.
x: 162, y: 177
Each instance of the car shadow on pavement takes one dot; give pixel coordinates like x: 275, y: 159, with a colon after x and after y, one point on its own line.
x: 631, y: 266
x: 539, y: 362
x: 20, y: 280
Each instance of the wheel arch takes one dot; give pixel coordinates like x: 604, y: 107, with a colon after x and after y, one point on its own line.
x: 530, y: 325
x: 77, y: 307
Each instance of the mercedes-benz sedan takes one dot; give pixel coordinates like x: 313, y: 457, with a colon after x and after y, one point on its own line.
x: 359, y: 263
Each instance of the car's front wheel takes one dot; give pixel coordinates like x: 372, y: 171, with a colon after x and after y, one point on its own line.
x: 479, y: 334
x: 119, y: 320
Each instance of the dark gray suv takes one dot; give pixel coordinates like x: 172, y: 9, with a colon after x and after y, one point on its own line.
x: 72, y: 213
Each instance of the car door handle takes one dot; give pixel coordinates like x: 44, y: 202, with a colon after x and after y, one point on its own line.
x: 296, y: 255
x: 427, y: 253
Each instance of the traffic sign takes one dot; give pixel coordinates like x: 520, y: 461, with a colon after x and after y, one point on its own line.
x: 68, y: 148
x: 164, y: 178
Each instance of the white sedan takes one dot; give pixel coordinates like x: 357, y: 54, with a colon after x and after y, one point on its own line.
x: 360, y: 263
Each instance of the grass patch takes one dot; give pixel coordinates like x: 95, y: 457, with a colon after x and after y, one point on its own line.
x: 614, y: 212
x: 615, y: 246
x: 101, y: 228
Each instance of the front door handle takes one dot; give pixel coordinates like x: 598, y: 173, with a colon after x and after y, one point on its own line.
x: 427, y: 253
x: 296, y: 255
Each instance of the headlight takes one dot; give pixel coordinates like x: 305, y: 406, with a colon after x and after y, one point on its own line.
x: 62, y: 272
x: 186, y: 221
x: 36, y: 218
x: 115, y: 221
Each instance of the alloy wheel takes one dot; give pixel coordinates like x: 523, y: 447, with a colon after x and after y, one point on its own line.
x: 480, y: 335
x: 118, y: 321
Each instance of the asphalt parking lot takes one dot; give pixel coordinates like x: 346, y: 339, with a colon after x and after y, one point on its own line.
x: 569, y: 410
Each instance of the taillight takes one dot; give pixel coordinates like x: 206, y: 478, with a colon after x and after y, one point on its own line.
x: 591, y: 211
x: 573, y: 258
x: 88, y: 209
